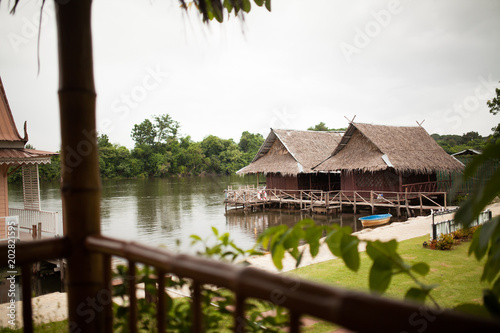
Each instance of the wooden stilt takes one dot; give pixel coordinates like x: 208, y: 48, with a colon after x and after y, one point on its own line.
x: 371, y: 202
x: 420, y: 197
x: 398, y: 206
x: 406, y: 203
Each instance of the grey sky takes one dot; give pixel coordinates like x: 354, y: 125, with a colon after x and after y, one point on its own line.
x: 387, y: 62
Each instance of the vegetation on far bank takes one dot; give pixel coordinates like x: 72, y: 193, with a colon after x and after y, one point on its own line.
x: 159, y: 151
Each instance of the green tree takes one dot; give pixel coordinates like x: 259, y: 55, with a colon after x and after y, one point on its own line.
x: 319, y: 127
x: 470, y: 136
x: 144, y: 133
x: 165, y: 128
x: 322, y: 127
x: 50, y: 172
x: 249, y: 145
x: 103, y: 141
x: 494, y: 105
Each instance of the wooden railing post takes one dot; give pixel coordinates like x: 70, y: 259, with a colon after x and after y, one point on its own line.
x: 398, y: 205
x: 355, y: 193
x: 39, y: 235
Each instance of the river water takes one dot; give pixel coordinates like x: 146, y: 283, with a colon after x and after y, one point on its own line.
x: 165, y: 211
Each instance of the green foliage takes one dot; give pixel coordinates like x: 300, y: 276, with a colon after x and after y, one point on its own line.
x: 386, y: 261
x: 47, y: 172
x: 216, y: 303
x: 163, y: 129
x: 222, y: 248
x: 445, y: 242
x: 213, y: 9
x: 249, y: 145
x: 456, y: 143
x: 494, y: 103
x: 486, y: 241
x: 322, y: 127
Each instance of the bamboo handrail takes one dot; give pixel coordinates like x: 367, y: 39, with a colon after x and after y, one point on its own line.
x: 300, y: 297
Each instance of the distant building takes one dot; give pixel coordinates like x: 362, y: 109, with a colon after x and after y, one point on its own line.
x: 14, y: 155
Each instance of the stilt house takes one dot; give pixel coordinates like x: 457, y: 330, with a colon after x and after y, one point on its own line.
x: 13, y: 156
x: 389, y: 158
x: 287, y: 157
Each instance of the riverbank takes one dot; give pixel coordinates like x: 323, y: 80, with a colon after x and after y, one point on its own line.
x: 53, y: 307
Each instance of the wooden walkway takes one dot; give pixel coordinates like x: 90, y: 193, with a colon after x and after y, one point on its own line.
x: 251, y: 198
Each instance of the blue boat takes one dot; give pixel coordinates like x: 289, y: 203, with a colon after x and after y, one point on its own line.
x: 374, y: 220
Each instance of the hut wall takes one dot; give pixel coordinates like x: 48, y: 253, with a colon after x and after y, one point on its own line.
x: 319, y: 181
x: 278, y: 181
x: 370, y: 181
x: 4, y: 199
x: 387, y: 180
x: 418, y: 178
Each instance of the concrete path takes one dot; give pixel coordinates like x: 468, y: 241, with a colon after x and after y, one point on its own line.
x: 414, y: 227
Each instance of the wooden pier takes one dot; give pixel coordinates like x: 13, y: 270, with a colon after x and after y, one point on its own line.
x: 327, y: 202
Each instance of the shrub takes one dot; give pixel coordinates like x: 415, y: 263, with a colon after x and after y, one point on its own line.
x: 445, y: 242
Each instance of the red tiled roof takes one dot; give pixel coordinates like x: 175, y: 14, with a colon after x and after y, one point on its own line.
x: 8, y: 130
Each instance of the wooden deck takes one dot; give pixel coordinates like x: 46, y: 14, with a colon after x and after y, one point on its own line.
x: 250, y: 198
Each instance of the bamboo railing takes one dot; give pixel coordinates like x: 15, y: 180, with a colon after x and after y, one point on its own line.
x: 356, y: 311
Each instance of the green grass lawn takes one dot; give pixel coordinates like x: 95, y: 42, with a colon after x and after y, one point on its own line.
x: 457, y: 274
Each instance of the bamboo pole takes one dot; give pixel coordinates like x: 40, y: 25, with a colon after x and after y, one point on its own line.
x: 80, y: 186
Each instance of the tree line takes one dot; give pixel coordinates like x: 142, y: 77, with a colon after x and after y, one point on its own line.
x: 160, y: 151
x: 455, y: 143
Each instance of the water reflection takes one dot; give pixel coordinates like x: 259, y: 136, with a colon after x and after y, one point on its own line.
x: 255, y: 223
x: 161, y: 211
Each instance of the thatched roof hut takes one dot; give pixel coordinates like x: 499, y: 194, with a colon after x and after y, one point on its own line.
x: 288, y: 156
x: 291, y: 152
x: 371, y: 148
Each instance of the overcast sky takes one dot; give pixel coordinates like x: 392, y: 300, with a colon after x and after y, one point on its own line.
x: 387, y: 62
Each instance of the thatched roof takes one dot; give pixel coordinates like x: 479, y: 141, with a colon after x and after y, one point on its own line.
x: 370, y: 148
x: 291, y: 152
